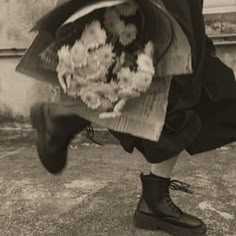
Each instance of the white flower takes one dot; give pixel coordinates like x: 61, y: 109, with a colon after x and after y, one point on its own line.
x: 79, y: 54
x: 64, y: 56
x: 91, y: 99
x: 116, y: 111
x: 145, y: 64
x: 120, y: 105
x: 91, y: 70
x: 104, y: 89
x: 62, y: 68
x: 122, y: 58
x: 83, y: 69
x: 94, y: 36
x: 112, y: 22
x: 74, y: 89
x: 142, y: 81
x: 125, y: 77
x: 80, y: 81
x: 102, y: 74
x: 149, y: 49
x: 112, y: 97
x: 105, y: 55
x: 128, y: 35
x: 105, y: 104
x: 127, y: 9
x: 111, y: 15
x: 64, y: 79
x: 119, y: 63
x: 128, y: 93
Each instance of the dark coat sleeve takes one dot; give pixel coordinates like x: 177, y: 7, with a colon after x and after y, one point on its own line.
x: 210, y: 74
x: 186, y: 90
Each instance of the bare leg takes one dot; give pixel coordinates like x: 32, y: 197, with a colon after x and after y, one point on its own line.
x: 165, y: 168
x: 156, y: 210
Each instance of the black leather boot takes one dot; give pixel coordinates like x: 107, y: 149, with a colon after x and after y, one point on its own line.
x: 156, y: 210
x: 54, y: 133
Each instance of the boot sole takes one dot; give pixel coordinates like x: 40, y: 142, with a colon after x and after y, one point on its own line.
x: 37, y: 117
x: 39, y: 123
x: 53, y: 163
x: 148, y: 222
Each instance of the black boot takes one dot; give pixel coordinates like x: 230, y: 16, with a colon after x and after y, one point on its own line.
x: 156, y: 211
x: 54, y: 133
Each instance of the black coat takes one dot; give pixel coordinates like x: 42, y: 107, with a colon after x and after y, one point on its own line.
x: 202, y: 106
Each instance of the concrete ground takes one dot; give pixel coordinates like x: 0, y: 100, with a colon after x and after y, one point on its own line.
x: 97, y: 193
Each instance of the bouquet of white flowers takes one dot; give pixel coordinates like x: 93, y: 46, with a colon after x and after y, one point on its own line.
x: 114, y: 60
x: 103, y: 67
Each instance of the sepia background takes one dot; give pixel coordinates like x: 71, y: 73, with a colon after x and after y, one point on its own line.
x: 98, y: 192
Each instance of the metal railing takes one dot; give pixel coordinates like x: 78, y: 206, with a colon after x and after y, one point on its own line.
x: 12, y: 52
x: 224, y: 39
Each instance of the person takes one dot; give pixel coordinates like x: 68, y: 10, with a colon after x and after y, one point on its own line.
x: 201, y: 116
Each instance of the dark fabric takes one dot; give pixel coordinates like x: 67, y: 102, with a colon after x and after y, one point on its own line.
x: 218, y: 121
x: 183, y: 130
x: 201, y: 113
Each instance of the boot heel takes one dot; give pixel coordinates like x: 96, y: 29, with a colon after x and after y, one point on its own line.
x: 144, y: 221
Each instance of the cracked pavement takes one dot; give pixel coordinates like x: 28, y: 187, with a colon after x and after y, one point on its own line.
x: 97, y: 193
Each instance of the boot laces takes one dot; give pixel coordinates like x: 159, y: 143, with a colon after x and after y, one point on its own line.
x: 90, y: 134
x: 179, y: 186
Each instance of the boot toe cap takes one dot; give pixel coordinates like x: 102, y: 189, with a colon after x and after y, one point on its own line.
x: 192, y: 221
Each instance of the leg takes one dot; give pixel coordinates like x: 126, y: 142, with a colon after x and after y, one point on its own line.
x: 56, y: 126
x: 157, y: 211
x: 165, y: 168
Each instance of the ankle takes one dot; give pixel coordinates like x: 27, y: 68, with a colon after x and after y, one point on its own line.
x: 159, y: 177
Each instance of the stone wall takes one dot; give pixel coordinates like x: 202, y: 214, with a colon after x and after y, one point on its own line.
x: 18, y: 92
x: 17, y: 17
